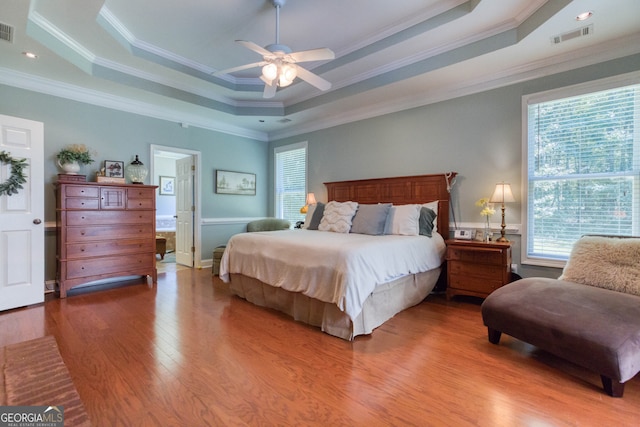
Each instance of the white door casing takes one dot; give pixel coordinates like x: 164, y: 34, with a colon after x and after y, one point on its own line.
x: 22, y: 216
x: 185, y: 210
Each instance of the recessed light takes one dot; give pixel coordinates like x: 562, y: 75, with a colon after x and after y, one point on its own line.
x: 30, y: 55
x: 584, y: 16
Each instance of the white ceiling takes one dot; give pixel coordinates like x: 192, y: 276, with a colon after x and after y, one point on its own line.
x: 157, y: 57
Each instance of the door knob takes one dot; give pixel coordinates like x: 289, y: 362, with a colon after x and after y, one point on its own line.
x: 37, y: 221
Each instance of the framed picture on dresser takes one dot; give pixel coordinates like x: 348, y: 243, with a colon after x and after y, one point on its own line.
x: 114, y: 169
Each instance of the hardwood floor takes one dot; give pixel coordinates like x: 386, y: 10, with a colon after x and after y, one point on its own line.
x: 187, y: 353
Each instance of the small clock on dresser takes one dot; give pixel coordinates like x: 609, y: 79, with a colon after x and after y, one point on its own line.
x: 477, y: 268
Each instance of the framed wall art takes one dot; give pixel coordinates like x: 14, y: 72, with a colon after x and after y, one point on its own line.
x: 167, y: 185
x: 113, y: 169
x: 229, y: 182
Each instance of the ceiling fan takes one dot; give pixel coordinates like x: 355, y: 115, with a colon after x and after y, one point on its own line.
x: 279, y: 63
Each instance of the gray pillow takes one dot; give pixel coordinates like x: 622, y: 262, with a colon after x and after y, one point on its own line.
x: 425, y: 223
x: 370, y: 219
x: 317, y: 217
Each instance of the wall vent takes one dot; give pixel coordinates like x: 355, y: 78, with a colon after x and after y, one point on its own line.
x: 580, y: 32
x: 6, y: 32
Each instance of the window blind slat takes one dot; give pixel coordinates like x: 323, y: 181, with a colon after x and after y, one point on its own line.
x: 290, y: 183
x: 584, y: 169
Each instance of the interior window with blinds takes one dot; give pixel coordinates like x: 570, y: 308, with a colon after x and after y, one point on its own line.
x: 290, y: 181
x: 583, y: 174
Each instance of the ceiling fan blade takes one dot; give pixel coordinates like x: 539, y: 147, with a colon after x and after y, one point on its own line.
x: 239, y: 68
x: 320, y: 54
x: 269, y: 90
x: 313, y: 79
x: 254, y: 47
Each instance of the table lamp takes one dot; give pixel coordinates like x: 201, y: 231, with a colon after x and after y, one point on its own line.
x: 502, y: 195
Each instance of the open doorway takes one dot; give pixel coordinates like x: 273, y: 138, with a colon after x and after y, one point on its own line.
x: 173, y: 170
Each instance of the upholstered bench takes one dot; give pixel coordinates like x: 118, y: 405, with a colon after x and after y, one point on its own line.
x: 586, y: 324
x: 161, y: 246
x: 592, y: 327
x: 217, y: 256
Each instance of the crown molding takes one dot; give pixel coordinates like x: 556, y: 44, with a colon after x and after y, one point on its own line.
x: 565, y: 62
x: 102, y: 99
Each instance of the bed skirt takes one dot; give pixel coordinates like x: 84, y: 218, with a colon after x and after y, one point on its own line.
x: 384, y: 302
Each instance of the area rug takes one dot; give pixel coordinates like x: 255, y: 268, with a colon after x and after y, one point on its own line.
x: 34, y: 374
x: 169, y: 258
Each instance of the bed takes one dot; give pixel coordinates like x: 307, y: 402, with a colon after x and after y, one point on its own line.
x: 346, y: 283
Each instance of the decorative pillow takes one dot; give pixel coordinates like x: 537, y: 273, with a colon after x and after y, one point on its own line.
x: 337, y: 216
x: 434, y: 207
x: 318, y: 211
x: 403, y: 220
x: 307, y: 218
x: 426, y: 223
x: 370, y: 219
x: 605, y: 262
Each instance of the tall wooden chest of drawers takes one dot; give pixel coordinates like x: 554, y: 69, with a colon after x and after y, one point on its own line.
x: 477, y: 268
x: 104, y: 231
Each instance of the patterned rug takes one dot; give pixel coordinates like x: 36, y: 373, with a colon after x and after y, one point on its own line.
x: 32, y: 373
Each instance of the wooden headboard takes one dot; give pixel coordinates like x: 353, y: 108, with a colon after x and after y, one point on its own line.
x: 399, y: 190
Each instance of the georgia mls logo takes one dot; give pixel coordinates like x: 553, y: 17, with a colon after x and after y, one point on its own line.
x: 53, y: 408
x: 31, y: 416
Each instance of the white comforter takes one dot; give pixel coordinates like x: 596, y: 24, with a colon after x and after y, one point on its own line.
x: 332, y: 267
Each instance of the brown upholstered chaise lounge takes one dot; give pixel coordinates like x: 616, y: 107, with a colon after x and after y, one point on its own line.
x: 589, y: 325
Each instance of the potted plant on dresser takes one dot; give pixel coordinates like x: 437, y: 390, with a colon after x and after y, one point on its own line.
x: 72, y: 157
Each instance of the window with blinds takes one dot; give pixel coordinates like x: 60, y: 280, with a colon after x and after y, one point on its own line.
x: 290, y: 181
x: 583, y: 169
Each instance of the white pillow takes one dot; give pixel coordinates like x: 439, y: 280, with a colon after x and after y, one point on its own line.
x: 403, y: 220
x: 307, y: 219
x: 337, y: 216
x: 434, y: 207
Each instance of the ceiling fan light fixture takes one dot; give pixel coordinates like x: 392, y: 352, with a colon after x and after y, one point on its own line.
x: 288, y: 74
x: 270, y: 71
x: 279, y: 64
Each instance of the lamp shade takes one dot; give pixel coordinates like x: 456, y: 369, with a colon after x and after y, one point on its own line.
x: 502, y: 194
x: 311, y: 200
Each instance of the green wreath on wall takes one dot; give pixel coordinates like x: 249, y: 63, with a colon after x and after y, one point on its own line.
x: 17, y: 178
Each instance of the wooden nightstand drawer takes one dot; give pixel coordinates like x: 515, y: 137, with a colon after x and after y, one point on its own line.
x: 487, y: 271
x: 474, y: 284
x: 483, y: 256
x: 477, y: 268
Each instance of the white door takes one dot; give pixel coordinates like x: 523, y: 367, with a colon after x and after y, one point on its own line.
x: 185, y: 210
x: 22, y: 216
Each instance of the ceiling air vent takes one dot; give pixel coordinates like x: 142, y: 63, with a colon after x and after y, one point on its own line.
x: 6, y: 32
x: 580, y: 32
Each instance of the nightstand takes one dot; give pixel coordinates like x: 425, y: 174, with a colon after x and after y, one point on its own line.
x: 477, y: 268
